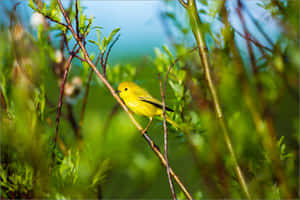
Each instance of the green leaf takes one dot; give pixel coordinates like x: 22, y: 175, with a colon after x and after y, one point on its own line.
x: 167, y: 50
x: 103, y: 45
x: 170, y: 15
x: 112, y: 34
x: 94, y: 42
x: 202, y: 11
x: 31, y: 4
x: 97, y: 27
x: 98, y: 36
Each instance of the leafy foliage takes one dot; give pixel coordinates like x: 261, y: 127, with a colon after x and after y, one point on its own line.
x: 100, y: 154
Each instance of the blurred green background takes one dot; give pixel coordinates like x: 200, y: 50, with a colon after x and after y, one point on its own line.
x: 107, y: 158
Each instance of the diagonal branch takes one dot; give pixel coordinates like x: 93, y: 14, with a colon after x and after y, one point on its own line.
x: 114, y: 94
x: 50, y: 18
x: 258, y: 25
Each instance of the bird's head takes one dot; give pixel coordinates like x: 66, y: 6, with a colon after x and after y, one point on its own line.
x: 125, y: 89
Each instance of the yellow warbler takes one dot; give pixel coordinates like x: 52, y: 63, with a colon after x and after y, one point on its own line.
x: 139, y: 101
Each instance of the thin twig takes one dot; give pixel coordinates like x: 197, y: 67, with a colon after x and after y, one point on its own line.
x: 107, y: 54
x: 88, y: 84
x: 50, y: 18
x: 76, y: 18
x: 2, y: 102
x: 86, y: 94
x: 115, y: 95
x: 253, y: 40
x: 71, y: 118
x: 107, y: 123
x: 249, y: 46
x: 258, y: 25
x: 61, y: 93
x: 163, y: 93
x: 80, y: 58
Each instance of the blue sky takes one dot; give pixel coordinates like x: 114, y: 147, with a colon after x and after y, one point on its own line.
x: 141, y: 26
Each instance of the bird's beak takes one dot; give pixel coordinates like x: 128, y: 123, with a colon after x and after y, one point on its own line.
x: 118, y: 91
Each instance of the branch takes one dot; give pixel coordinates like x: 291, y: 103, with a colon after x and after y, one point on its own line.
x: 108, y: 52
x: 258, y: 25
x: 249, y: 47
x: 114, y: 94
x: 86, y: 94
x: 163, y: 93
x: 76, y: 18
x: 253, y: 40
x: 107, y: 123
x: 2, y: 102
x: 50, y: 18
x: 61, y: 93
x: 198, y: 35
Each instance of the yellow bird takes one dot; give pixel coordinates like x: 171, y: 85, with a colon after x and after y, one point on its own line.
x: 139, y: 101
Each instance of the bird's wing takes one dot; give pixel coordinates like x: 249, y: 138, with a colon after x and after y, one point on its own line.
x: 154, y: 102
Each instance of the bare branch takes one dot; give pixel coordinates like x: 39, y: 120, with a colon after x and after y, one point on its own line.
x: 2, y: 102
x: 258, y: 25
x: 253, y: 40
x: 108, y: 52
x: 86, y: 94
x: 163, y: 93
x: 76, y: 18
x: 61, y: 93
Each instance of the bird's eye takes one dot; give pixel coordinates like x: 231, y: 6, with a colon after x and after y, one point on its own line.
x: 126, y: 89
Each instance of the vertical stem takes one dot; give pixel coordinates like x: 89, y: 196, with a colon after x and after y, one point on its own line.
x: 163, y: 94
x: 61, y: 93
x: 195, y: 24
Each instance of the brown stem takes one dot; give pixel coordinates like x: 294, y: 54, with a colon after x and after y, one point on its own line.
x: 3, y: 102
x: 61, y: 93
x: 249, y: 46
x: 72, y: 120
x: 163, y: 94
x: 253, y: 40
x: 76, y: 18
x: 107, y: 123
x: 115, y: 95
x: 258, y: 25
x: 84, y: 103
x: 107, y: 54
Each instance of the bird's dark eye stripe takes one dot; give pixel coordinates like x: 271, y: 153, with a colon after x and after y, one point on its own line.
x: 126, y: 89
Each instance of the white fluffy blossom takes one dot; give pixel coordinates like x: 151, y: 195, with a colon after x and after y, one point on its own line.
x: 36, y: 19
x: 58, y: 56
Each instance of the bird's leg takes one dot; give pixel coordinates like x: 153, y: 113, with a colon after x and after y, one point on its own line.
x: 145, y: 130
